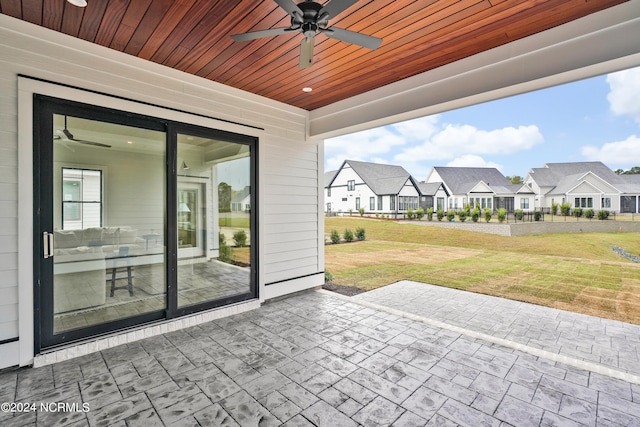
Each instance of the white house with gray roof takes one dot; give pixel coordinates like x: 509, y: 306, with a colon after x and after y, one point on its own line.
x: 586, y: 185
x: 377, y: 188
x: 484, y: 187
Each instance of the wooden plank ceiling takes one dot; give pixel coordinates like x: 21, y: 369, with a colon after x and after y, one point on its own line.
x: 194, y: 36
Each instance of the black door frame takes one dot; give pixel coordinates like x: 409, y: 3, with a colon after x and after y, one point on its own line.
x: 44, y: 109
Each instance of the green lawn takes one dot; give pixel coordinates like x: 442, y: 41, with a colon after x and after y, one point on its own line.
x: 577, y: 272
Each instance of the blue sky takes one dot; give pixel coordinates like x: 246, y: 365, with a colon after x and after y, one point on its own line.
x: 588, y: 120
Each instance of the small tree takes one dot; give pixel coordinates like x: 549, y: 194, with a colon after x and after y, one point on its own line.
x: 240, y: 238
x: 462, y: 215
x: 451, y: 214
x: 502, y: 215
x: 410, y: 213
x: 440, y: 214
x: 475, y: 214
x: 419, y: 213
x: 348, y: 235
x: 589, y: 213
x: 361, y: 211
x: 537, y: 215
x: 360, y: 233
x: 429, y: 214
x: 577, y: 212
x: 602, y: 215
x: 565, y: 209
x: 554, y: 208
x: 519, y: 214
x: 335, y: 236
x: 487, y: 214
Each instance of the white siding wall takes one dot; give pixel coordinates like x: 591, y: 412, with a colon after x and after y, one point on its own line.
x: 290, y: 239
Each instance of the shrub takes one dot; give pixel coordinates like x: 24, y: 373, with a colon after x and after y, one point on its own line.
x: 475, y: 214
x: 519, y: 214
x: 554, y: 208
x: 537, y: 215
x: 419, y: 213
x: 451, y: 214
x: 225, y: 253
x: 410, y: 213
x: 328, y: 277
x: 335, y: 236
x: 240, y: 238
x: 462, y: 215
x: 348, y: 235
x: 589, y: 213
x: 487, y: 214
x: 577, y: 212
x: 502, y: 214
x: 602, y: 215
x: 360, y: 233
x: 429, y: 214
x: 350, y: 212
x: 361, y: 211
x: 565, y: 209
x: 440, y: 214
x: 467, y: 208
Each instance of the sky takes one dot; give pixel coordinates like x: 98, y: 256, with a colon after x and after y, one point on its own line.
x: 596, y: 119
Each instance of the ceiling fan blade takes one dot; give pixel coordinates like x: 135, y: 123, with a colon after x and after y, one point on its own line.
x: 348, y: 36
x: 95, y: 144
x: 291, y: 8
x: 306, y: 52
x: 261, y: 33
x: 335, y: 7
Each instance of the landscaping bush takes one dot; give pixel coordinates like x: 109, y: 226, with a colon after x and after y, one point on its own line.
x: 537, y: 215
x: 502, y: 214
x: 429, y: 214
x: 487, y: 214
x: 410, y: 214
x: 348, y: 235
x: 519, y: 214
x: 475, y: 214
x: 451, y: 215
x: 360, y: 233
x: 565, y: 209
x: 440, y: 214
x: 554, y: 208
x: 462, y: 215
x: 602, y: 215
x: 328, y: 277
x: 577, y: 212
x: 225, y: 253
x: 240, y: 238
x: 335, y: 236
x: 419, y: 213
x: 361, y: 211
x: 589, y: 213
x: 350, y: 212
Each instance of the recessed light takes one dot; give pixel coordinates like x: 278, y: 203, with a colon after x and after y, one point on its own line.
x: 307, y: 89
x: 129, y: 142
x: 79, y: 3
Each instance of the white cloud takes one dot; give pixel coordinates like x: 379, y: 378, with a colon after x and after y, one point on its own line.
x: 473, y: 161
x: 365, y: 146
x: 458, y: 140
x: 625, y: 152
x: 624, y: 93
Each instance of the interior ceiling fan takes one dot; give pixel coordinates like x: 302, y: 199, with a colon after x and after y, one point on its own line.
x: 65, y: 135
x: 311, y: 18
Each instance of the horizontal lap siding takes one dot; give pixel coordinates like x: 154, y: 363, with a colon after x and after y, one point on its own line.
x: 290, y: 211
x: 288, y: 169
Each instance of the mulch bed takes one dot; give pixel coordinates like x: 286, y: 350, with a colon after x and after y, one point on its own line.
x: 342, y: 289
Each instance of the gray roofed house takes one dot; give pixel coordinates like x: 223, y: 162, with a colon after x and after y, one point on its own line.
x: 590, y: 185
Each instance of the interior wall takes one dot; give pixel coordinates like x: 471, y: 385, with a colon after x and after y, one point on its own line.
x: 290, y: 166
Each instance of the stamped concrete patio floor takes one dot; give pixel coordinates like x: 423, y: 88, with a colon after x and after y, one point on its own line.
x: 405, y: 355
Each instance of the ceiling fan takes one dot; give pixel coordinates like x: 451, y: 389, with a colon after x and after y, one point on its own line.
x: 65, y: 135
x: 311, y: 18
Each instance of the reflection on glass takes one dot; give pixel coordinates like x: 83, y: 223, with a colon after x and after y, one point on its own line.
x: 109, y: 254
x: 214, y: 227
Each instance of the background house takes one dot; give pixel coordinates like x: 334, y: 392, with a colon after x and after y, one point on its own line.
x: 376, y: 188
x: 584, y: 185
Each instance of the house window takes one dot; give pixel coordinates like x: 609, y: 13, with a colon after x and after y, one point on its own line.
x: 328, y: 191
x: 392, y: 203
x: 440, y: 203
x: 344, y: 199
x: 357, y: 203
x: 407, y: 202
x: 379, y: 203
x: 583, y: 202
x: 524, y: 203
x: 81, y: 198
x: 606, y: 202
x: 351, y: 185
x: 372, y: 203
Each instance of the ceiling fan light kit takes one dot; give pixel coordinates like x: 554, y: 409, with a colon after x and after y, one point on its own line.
x: 311, y: 18
x: 79, y: 3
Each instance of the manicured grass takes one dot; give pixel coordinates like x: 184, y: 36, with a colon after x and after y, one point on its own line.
x: 577, y: 272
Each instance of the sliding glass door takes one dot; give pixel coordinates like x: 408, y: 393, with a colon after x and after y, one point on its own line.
x: 129, y: 222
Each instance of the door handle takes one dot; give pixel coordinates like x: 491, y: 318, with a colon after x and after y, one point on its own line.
x: 47, y: 244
